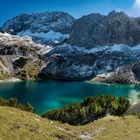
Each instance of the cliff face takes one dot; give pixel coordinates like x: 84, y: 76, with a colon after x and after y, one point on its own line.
x: 60, y: 47
x: 18, y: 57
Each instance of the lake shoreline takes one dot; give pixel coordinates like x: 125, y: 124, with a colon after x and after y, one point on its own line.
x: 11, y: 80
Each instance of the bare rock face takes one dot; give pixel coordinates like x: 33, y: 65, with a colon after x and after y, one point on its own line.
x: 67, y: 63
x: 98, y: 30
x: 18, y: 58
x: 82, y: 30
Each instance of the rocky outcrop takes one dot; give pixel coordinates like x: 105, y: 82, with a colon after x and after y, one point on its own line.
x: 19, y: 58
x: 27, y: 68
x: 14, y: 45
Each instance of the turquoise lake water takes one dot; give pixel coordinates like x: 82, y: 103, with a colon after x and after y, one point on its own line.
x: 45, y: 95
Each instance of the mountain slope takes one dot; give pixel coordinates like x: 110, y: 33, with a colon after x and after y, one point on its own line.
x: 23, y: 125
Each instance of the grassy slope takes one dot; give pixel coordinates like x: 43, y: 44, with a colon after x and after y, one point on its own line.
x: 19, y: 125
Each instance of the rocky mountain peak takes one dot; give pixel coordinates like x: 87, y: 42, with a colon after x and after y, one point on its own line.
x: 116, y: 13
x: 40, y: 22
x: 88, y: 31
x: 97, y: 30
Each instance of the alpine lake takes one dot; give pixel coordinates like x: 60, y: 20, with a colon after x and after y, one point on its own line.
x: 47, y: 95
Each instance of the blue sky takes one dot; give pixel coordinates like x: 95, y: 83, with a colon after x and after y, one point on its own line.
x: 77, y: 8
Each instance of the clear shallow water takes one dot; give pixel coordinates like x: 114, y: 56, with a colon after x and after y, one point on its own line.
x: 47, y: 95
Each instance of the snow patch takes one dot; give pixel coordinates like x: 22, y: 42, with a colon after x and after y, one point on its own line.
x: 51, y: 36
x: 114, y: 48
x: 13, y: 40
x: 44, y: 49
x: 135, y: 48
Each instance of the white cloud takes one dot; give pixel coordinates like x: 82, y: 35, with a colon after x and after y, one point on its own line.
x: 135, y: 10
x: 137, y: 3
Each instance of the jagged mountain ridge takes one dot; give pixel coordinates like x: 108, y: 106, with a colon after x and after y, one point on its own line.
x: 99, y: 30
x: 88, y: 31
x: 97, y: 47
x: 39, y: 22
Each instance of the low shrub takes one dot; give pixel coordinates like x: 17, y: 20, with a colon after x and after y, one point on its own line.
x: 89, y: 110
x: 12, y: 102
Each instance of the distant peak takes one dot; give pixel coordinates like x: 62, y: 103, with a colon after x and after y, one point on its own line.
x: 114, y: 12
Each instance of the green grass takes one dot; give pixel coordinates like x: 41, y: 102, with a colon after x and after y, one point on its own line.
x: 20, y: 125
x: 16, y: 124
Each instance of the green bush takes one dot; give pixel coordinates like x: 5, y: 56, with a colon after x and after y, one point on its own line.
x: 89, y: 110
x: 12, y: 102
